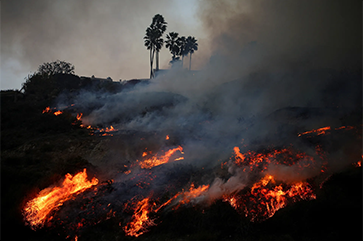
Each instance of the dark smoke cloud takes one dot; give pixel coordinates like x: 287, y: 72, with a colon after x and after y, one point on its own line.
x: 275, y: 69
x: 266, y: 58
x: 290, y: 34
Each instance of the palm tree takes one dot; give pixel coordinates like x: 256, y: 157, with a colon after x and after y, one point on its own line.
x: 182, y: 41
x: 153, y: 40
x: 149, y: 41
x: 172, y: 44
x: 191, y: 46
x: 159, y: 23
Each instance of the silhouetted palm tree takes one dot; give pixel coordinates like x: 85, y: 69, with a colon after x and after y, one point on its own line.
x: 191, y: 46
x: 149, y: 41
x: 182, y: 41
x: 172, y: 44
x: 153, y: 40
x: 158, y: 23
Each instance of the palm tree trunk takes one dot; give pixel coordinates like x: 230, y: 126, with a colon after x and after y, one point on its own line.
x: 151, y: 62
x: 157, y: 60
x: 182, y: 61
x: 190, y: 61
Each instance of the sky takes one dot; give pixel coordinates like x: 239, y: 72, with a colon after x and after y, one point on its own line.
x: 100, y: 38
x: 105, y: 38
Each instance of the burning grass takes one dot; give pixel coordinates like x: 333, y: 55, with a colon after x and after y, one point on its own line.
x: 184, y: 199
x: 36, y: 212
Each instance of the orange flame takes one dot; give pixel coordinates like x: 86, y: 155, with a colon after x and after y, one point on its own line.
x: 156, y: 161
x: 319, y: 131
x: 322, y: 130
x: 79, y: 116
x: 167, y: 137
x: 37, y: 210
x: 266, y: 198
x: 140, y: 221
x: 58, y: 112
x: 46, y: 110
x: 106, y: 132
x: 193, y: 193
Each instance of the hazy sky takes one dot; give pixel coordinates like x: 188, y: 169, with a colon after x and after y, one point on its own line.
x: 101, y: 38
x: 105, y: 38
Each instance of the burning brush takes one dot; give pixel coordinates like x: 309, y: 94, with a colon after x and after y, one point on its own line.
x: 258, y: 185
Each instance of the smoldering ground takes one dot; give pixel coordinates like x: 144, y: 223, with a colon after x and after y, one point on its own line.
x: 271, y: 75
x: 266, y: 58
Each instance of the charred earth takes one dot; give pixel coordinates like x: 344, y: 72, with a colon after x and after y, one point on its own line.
x: 297, y: 177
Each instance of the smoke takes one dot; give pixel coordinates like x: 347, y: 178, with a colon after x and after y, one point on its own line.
x: 101, y: 39
x: 275, y: 68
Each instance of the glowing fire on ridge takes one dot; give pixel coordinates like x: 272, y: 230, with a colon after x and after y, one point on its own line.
x: 323, y: 130
x: 156, y: 161
x: 140, y: 221
x: 36, y: 211
x: 49, y: 110
x: 266, y: 198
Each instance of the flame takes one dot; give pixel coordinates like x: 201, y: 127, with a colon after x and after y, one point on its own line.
x: 58, y: 112
x: 167, y: 137
x: 266, y: 198
x: 79, y: 116
x: 239, y: 156
x: 251, y: 160
x: 46, y: 110
x: 156, y: 161
x: 323, y: 130
x: 193, y: 193
x: 107, y: 130
x: 358, y: 164
x: 140, y: 221
x: 36, y: 211
x: 49, y: 110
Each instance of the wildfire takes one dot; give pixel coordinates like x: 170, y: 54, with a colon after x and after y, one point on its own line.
x: 156, y: 161
x: 140, y: 221
x: 193, y: 193
x: 79, y: 116
x: 37, y: 210
x: 323, y: 130
x: 251, y: 160
x: 107, y: 130
x: 49, y: 110
x: 46, y: 110
x: 265, y: 197
x: 58, y: 112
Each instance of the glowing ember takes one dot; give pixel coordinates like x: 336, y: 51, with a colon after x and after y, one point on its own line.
x: 46, y: 110
x: 156, y: 161
x: 58, y: 112
x: 140, y: 221
x: 106, y: 132
x: 49, y: 110
x: 37, y: 210
x: 251, y: 160
x: 358, y: 164
x: 193, y: 193
x: 265, y: 197
x: 323, y: 130
x: 79, y: 116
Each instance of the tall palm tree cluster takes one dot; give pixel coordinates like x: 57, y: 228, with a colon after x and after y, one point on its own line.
x: 178, y: 46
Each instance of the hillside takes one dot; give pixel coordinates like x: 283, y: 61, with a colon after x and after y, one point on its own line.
x: 39, y: 148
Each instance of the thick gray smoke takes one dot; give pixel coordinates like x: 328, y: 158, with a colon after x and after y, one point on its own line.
x: 276, y: 69
x: 266, y: 56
